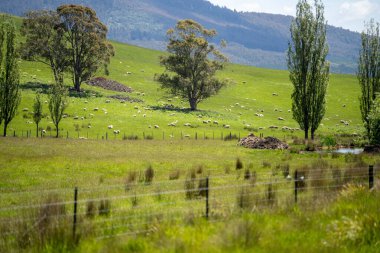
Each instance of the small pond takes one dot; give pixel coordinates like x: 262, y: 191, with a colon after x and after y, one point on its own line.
x: 354, y: 151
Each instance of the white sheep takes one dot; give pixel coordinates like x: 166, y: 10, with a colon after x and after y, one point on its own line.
x: 216, y: 122
x: 280, y: 118
x: 156, y: 126
x: 187, y: 124
x: 226, y: 126
x: 108, y: 101
x: 96, y: 109
x: 110, y: 126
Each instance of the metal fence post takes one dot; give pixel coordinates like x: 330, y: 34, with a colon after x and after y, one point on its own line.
x: 75, y: 211
x: 295, y: 186
x: 370, y: 176
x: 207, y: 204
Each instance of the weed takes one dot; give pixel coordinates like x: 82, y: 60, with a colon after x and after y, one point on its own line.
x: 149, y: 174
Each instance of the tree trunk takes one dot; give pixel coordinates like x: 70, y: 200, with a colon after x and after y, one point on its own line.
x: 76, y: 83
x: 57, y: 135
x: 307, y: 134
x: 37, y: 130
x: 193, y: 104
x: 312, y: 135
x: 5, y: 129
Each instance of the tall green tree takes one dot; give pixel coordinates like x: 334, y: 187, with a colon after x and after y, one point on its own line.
x: 37, y: 111
x: 57, y: 104
x: 308, y: 68
x: 86, y: 40
x: 369, y: 71
x: 192, y: 63
x: 44, y: 41
x: 9, y: 73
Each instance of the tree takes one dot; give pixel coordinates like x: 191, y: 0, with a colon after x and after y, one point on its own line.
x: 374, y: 122
x: 308, y: 68
x: 369, y: 71
x: 37, y: 110
x: 85, y: 38
x: 44, y: 41
x: 57, y: 104
x: 9, y: 73
x: 191, y: 72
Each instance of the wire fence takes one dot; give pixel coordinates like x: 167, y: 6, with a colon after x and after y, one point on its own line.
x: 107, y: 211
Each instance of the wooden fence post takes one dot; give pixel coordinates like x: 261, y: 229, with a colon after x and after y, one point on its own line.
x: 207, y: 203
x: 75, y: 211
x: 370, y: 176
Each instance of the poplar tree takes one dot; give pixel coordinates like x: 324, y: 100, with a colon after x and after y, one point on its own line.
x: 37, y: 111
x: 369, y: 71
x: 308, y: 68
x: 9, y: 73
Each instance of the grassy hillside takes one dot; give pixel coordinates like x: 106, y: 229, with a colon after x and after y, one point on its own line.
x: 250, y: 91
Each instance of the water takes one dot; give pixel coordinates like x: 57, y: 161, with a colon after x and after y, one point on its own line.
x: 354, y: 151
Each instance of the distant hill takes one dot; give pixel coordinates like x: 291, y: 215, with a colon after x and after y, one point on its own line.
x: 257, y: 39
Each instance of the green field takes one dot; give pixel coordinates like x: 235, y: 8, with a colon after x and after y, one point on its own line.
x: 249, y: 92
x: 251, y: 209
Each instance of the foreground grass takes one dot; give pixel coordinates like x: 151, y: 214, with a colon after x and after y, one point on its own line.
x: 343, y: 221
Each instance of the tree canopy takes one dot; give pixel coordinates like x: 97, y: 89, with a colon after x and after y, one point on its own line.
x: 192, y: 63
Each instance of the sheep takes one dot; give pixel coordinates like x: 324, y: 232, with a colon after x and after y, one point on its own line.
x: 205, y: 122
x: 156, y: 126
x: 289, y: 110
x: 134, y: 115
x: 89, y: 126
x: 85, y: 109
x: 274, y: 94
x: 64, y: 116
x: 136, y: 107
x: 108, y: 101
x: 116, y: 131
x: 200, y: 116
x: 82, y: 118
x: 129, y: 73
x: 76, y: 117
x: 172, y: 114
x: 139, y: 111
x: 226, y: 126
x: 174, y: 123
x: 144, y: 115
x: 85, y: 101
x: 216, y: 122
x: 273, y: 127
x: 44, y: 131
x: 187, y: 124
x: 96, y: 109
x: 187, y: 136
x: 25, y: 109
x: 110, y: 126
x: 280, y: 118
x: 261, y: 128
x: 91, y: 115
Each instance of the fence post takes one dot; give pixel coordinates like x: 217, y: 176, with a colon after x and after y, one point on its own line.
x: 221, y: 136
x: 67, y: 134
x: 75, y: 211
x: 181, y: 135
x: 213, y: 135
x: 207, y: 192
x: 163, y: 135
x: 196, y: 135
x: 370, y: 176
x: 14, y: 133
x: 106, y: 135
x: 144, y: 135
x: 295, y: 186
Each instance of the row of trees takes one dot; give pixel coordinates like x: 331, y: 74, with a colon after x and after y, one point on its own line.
x: 69, y: 40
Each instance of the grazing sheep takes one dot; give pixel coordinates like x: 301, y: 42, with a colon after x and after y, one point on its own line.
x: 76, y: 117
x: 156, y: 126
x: 116, y: 131
x: 226, y: 126
x: 108, y: 101
x: 273, y: 127
x: 187, y: 136
x: 139, y: 111
x: 44, y: 131
x: 85, y: 109
x: 261, y: 128
x: 289, y: 110
x: 172, y: 114
x: 136, y: 107
x: 85, y: 101
x: 187, y: 124
x: 205, y: 122
x: 89, y: 126
x: 280, y: 118
x: 110, y: 126
x: 144, y: 115
x: 25, y: 109
x: 96, y: 109
x: 174, y: 123
x: 274, y: 94
x: 64, y: 116
x: 200, y: 116
x: 134, y: 115
x: 82, y: 118
x: 216, y: 122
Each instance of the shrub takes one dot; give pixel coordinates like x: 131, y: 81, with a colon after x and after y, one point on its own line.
x: 174, y: 174
x: 130, y: 180
x: 90, y: 209
x: 239, y: 164
x: 202, y: 187
x: 328, y: 141
x: 200, y: 169
x: 374, y: 123
x: 266, y: 164
x: 149, y: 174
x: 130, y: 137
x: 247, y: 174
x: 190, y: 186
x: 104, y: 207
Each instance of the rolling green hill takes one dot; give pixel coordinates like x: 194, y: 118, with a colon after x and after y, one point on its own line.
x: 250, y: 92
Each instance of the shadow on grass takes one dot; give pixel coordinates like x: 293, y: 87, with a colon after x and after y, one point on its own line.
x: 43, y: 88
x: 172, y: 108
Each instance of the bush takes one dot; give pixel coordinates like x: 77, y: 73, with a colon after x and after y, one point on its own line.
x: 328, y: 141
x: 239, y: 164
x: 174, y: 174
x: 130, y: 137
x: 149, y: 174
x: 247, y: 174
x: 104, y: 207
x: 130, y: 180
